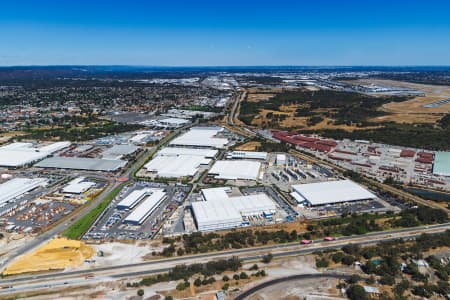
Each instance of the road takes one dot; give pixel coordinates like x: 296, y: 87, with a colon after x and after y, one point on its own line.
x: 136, y: 270
x: 290, y: 278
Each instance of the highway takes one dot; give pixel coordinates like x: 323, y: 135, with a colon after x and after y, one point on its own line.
x: 136, y: 270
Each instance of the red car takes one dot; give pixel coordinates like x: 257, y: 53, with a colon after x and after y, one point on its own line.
x: 306, y: 242
x: 328, y: 239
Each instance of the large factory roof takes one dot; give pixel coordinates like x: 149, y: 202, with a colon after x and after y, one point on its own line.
x: 236, y: 169
x: 201, y: 137
x: 176, y: 166
x: 247, y: 154
x: 20, y: 154
x: 77, y: 186
x: 146, y: 207
x: 82, y: 163
x: 133, y: 198
x: 117, y: 151
x: 328, y: 192
x: 173, y: 151
x: 441, y: 164
x: 17, y: 187
x: 219, y: 210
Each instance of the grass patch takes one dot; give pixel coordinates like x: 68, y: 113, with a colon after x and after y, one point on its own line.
x: 81, y: 226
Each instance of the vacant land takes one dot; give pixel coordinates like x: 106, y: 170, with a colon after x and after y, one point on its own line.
x: 398, y: 120
x: 55, y: 255
x: 412, y: 110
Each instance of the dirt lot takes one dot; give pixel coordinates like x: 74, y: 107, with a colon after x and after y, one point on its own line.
x: 55, y: 255
x: 411, y: 111
x: 250, y: 146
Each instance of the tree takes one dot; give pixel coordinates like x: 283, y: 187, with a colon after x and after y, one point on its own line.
x: 267, y: 258
x: 226, y: 286
x: 243, y: 275
x: 356, y: 292
x: 225, y: 278
x: 168, y: 298
x: 322, y: 263
x: 254, y: 267
x: 198, y: 282
x: 140, y: 292
x: 236, y: 277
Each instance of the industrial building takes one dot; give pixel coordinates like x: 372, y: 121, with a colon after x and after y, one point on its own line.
x: 441, y: 165
x: 119, y: 151
x: 247, y: 155
x: 176, y: 162
x: 133, y: 199
x: 330, y: 192
x: 20, y: 154
x: 78, y: 186
x: 201, y: 137
x: 82, y: 163
x: 235, y: 169
x: 16, y: 187
x: 221, y: 211
x: 175, y: 151
x: 146, y: 207
x: 176, y: 166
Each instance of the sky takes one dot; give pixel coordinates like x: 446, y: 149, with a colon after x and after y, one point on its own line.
x: 224, y: 33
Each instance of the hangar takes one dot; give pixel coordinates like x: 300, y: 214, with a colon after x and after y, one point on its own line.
x: 330, y: 192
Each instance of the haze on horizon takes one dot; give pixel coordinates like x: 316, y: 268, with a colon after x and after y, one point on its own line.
x: 208, y: 33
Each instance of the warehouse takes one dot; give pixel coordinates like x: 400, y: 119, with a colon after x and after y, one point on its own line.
x: 330, y: 192
x: 82, y: 163
x: 441, y: 164
x: 78, y: 186
x: 130, y: 201
x: 119, y: 151
x: 174, y: 151
x: 176, y: 166
x: 146, y: 207
x: 219, y: 210
x: 247, y: 155
x: 235, y: 169
x: 17, y: 187
x: 201, y: 137
x: 21, y: 154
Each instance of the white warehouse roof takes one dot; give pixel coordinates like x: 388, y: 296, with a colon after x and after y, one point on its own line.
x: 201, y: 137
x: 20, y: 154
x: 133, y: 198
x: 146, y: 208
x: 174, y: 151
x: 17, y: 187
x: 236, y: 169
x: 220, y: 211
x: 247, y: 154
x: 77, y: 186
x: 327, y: 192
x: 176, y: 166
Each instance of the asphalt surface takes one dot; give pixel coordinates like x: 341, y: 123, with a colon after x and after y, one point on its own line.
x: 247, y: 254
x: 289, y: 278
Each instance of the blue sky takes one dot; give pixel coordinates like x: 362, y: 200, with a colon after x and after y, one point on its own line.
x: 214, y: 33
